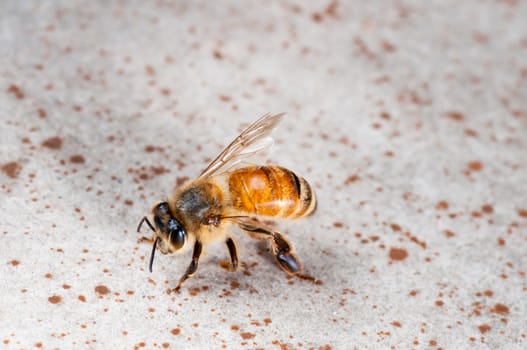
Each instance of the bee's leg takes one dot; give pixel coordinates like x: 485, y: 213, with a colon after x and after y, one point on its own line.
x: 282, y: 249
x: 193, y: 267
x: 145, y: 239
x: 232, y: 252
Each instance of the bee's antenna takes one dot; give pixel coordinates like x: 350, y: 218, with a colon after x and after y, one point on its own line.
x: 145, y: 219
x: 153, y: 253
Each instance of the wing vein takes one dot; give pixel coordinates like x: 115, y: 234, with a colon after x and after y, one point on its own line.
x: 252, y: 140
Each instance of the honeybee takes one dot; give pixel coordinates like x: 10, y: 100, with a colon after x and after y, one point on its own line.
x: 227, y: 194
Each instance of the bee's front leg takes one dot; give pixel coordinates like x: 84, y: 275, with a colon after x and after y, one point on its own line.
x: 193, y: 267
x: 145, y: 239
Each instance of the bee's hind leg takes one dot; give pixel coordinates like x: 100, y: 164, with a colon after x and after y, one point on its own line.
x: 193, y: 267
x: 281, y: 248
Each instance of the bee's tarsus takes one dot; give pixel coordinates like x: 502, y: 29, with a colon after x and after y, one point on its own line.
x: 232, y: 252
x: 280, y: 247
x: 193, y: 267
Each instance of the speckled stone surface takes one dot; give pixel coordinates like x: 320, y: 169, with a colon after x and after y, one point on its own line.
x: 409, y: 119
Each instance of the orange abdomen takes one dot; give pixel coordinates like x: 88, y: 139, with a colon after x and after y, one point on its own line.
x: 271, y: 191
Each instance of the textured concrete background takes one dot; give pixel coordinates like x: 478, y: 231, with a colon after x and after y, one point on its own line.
x: 409, y: 118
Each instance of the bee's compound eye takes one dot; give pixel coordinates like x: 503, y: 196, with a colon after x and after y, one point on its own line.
x: 178, y: 235
x: 159, y: 222
x: 161, y: 208
x: 161, y: 215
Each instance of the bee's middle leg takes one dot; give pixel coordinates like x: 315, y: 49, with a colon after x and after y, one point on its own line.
x: 232, y: 252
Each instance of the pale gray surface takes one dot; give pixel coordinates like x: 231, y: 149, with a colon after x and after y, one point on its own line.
x: 408, y: 97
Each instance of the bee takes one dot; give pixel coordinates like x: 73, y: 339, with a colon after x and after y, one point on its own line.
x: 227, y: 194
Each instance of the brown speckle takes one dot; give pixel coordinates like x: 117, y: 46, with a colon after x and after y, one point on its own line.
x: 395, y: 227
x: 449, y: 234
x: 398, y: 254
x: 522, y: 212
x: 500, y: 309
x: 15, y: 90
x: 484, y: 328
x: 457, y: 116
x: 351, y: 179
x: 160, y: 170
x: 54, y: 299
x: 471, y: 132
x: 11, y: 169
x: 150, y: 70
x: 317, y: 17
x: 194, y: 291
x: 388, y: 46
x: 247, y: 335
x: 180, y: 180
x: 53, y: 143
x: 331, y: 8
x: 14, y: 262
x: 396, y: 324
x: 77, y: 159
x: 475, y: 166
x: 217, y: 55
x: 487, y: 209
x: 102, y: 290
x: 480, y: 38
x: 410, y: 96
x: 41, y: 113
x: 175, y: 331
x: 82, y: 298
x: 385, y: 115
x: 442, y: 205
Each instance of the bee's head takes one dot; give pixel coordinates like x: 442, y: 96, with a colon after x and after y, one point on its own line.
x: 169, y: 235
x: 169, y: 232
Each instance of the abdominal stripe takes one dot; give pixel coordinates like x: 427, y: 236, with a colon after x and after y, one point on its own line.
x: 297, y: 183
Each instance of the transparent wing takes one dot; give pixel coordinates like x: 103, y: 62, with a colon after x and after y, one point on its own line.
x: 251, y: 140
